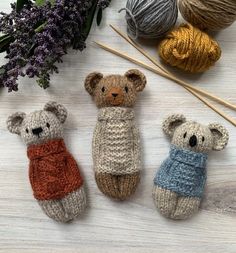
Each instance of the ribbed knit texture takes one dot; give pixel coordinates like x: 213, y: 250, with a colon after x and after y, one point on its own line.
x: 116, y: 152
x: 183, y: 172
x: 67, y: 208
x: 180, y: 181
x: 116, y: 142
x: 116, y: 145
x: 54, y: 174
x: 53, y: 171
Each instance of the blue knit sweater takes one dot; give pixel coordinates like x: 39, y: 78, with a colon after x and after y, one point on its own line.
x: 183, y: 172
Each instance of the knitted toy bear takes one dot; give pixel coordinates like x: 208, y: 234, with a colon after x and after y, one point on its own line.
x: 179, y: 184
x: 54, y: 175
x: 116, y: 141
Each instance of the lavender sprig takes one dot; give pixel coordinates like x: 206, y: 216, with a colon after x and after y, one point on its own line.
x: 34, y: 53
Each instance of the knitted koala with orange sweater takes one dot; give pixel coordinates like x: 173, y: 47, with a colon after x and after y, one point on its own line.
x: 54, y: 175
x: 116, y: 142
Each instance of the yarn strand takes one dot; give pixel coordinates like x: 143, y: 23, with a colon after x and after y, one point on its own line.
x: 131, y: 16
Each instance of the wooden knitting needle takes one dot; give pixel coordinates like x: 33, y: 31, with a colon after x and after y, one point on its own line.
x: 162, y: 73
x: 131, y: 59
x: 179, y: 81
x: 221, y: 113
x: 173, y: 77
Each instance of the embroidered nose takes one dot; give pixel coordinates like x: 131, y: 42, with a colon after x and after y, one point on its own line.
x: 37, y: 131
x: 193, y: 141
x: 114, y: 94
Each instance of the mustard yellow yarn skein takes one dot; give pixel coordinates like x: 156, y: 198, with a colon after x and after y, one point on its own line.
x: 189, y: 49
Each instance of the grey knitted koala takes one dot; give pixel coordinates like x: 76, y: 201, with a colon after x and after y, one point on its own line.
x: 54, y: 175
x: 179, y: 183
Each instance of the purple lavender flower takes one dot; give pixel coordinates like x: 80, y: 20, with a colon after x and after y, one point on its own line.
x: 41, y: 37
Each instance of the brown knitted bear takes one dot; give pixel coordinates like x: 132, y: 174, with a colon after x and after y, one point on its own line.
x: 116, y: 141
x: 54, y: 174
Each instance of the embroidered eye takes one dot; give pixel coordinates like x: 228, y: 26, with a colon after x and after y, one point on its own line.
x: 27, y: 130
x: 48, y: 125
x: 185, y: 134
x: 103, y: 89
x: 126, y: 89
x: 203, y: 138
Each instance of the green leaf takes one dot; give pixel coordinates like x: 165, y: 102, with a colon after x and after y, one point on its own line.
x: 89, y: 21
x: 4, y: 37
x: 2, y: 70
x: 99, y: 16
x: 42, y: 2
x: 20, y: 4
x: 5, y: 41
x: 87, y: 26
x: 40, y: 27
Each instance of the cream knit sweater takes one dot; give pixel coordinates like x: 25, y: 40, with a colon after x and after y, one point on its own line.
x: 116, y: 142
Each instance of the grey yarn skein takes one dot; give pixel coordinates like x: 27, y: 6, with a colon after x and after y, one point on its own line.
x: 150, y: 18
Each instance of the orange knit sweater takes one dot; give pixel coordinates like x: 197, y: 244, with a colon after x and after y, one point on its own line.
x: 53, y: 172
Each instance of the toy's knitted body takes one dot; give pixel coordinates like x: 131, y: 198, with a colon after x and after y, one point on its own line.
x: 116, y: 149
x: 116, y: 141
x: 179, y: 183
x: 54, y: 174
x: 53, y: 171
x: 183, y: 172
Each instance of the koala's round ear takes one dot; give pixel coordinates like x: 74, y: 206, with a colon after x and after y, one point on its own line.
x: 14, y: 122
x: 91, y: 81
x: 137, y: 78
x: 57, y: 109
x: 220, y: 136
x: 171, y: 123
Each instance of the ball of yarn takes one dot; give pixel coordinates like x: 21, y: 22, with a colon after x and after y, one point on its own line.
x: 150, y: 18
x: 189, y: 49
x: 209, y: 14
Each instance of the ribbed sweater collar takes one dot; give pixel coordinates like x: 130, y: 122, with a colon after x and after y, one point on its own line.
x: 116, y: 113
x: 188, y: 157
x: 47, y: 148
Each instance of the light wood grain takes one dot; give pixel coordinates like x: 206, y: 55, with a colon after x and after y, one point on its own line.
x: 135, y: 225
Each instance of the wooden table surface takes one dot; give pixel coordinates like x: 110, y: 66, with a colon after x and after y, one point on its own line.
x: 133, y: 225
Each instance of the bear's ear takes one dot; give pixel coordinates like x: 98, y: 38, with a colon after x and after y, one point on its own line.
x: 91, y: 81
x: 172, y: 122
x: 137, y: 78
x: 14, y: 122
x: 220, y: 136
x: 57, y: 109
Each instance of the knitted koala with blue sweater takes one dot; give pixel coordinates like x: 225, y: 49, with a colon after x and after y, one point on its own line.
x: 179, y: 183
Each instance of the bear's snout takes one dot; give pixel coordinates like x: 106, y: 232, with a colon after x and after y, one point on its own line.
x: 193, y: 141
x: 37, y: 131
x: 115, y: 96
